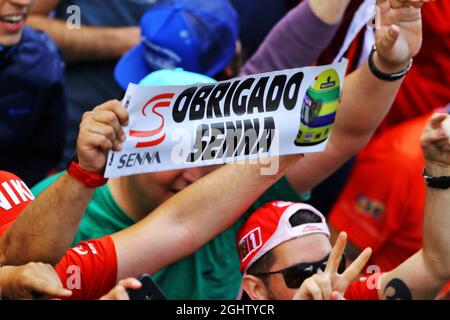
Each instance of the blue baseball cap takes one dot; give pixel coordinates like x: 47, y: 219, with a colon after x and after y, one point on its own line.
x: 174, y: 77
x: 197, y: 35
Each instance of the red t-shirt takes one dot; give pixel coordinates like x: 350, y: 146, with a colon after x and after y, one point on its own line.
x: 89, y: 270
x: 426, y: 86
x: 382, y: 204
x: 361, y: 290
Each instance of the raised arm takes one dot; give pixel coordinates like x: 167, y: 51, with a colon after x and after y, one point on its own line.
x: 47, y: 226
x: 86, y: 43
x: 188, y: 220
x: 425, y: 273
x: 366, y: 99
x: 299, y: 38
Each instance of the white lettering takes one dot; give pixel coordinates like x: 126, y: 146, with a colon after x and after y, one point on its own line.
x: 11, y: 193
x: 22, y: 190
x: 4, y: 203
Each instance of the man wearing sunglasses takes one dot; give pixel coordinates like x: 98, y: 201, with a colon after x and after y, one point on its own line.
x: 285, y: 243
x: 286, y: 253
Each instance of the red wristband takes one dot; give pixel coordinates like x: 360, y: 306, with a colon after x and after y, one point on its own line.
x: 89, y: 179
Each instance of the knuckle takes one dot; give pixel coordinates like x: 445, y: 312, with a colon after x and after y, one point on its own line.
x: 110, y: 132
x: 110, y: 117
x: 86, y: 115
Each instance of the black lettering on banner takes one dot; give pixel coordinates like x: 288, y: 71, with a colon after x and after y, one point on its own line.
x: 111, y: 160
x: 131, y: 160
x: 265, y: 141
x: 199, y: 144
x: 139, y: 158
x: 400, y: 290
x: 227, y: 105
x: 256, y: 100
x: 214, y: 101
x: 232, y: 138
x: 249, y: 138
x: 217, y: 140
x: 240, y: 100
x: 274, y: 97
x: 122, y: 161
x: 183, y: 100
x: 150, y: 158
x: 198, y: 106
x: 290, y: 98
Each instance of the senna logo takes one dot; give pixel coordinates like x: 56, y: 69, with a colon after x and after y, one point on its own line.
x: 157, y: 135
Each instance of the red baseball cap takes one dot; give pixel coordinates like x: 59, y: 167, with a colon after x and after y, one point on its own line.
x: 270, y: 226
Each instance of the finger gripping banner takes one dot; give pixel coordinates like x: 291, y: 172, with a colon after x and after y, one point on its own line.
x: 262, y: 115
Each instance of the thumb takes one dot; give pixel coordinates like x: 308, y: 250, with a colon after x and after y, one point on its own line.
x: 390, y: 36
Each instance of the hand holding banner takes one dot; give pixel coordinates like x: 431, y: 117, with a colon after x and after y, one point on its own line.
x: 277, y: 113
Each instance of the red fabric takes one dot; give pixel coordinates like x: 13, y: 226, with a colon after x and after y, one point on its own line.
x: 14, y: 197
x: 89, y: 269
x: 382, y: 204
x: 445, y: 292
x: 361, y: 290
x: 426, y: 87
x: 258, y: 229
x: 94, y: 262
x: 269, y: 226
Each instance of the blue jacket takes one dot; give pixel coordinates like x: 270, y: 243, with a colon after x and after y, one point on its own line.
x: 32, y: 107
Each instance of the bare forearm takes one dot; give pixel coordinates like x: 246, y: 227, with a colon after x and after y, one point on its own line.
x: 436, y: 235
x: 330, y: 12
x: 191, y: 218
x: 47, y: 227
x: 229, y: 193
x: 87, y: 43
x: 365, y: 102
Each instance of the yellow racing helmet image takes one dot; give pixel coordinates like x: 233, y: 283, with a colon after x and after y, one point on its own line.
x: 319, y: 109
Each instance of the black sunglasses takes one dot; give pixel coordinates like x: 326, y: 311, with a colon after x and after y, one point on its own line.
x: 295, y: 275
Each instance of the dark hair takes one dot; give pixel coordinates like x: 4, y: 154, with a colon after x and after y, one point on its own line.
x: 303, y: 216
x: 263, y: 264
x: 235, y: 64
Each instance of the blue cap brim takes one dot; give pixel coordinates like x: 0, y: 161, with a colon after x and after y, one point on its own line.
x: 132, y: 67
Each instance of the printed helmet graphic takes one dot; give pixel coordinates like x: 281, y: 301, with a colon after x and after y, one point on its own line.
x: 319, y: 107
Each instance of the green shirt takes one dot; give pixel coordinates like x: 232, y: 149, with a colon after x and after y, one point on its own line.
x: 212, y: 272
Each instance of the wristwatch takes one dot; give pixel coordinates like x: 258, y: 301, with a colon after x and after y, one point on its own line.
x: 387, y: 76
x: 88, y: 178
x: 442, y: 182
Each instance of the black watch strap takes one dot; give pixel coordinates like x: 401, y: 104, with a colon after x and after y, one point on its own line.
x: 386, y: 76
x: 442, y: 182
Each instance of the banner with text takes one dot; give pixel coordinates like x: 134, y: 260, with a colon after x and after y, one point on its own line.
x: 277, y: 113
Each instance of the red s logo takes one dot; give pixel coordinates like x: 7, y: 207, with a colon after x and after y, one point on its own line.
x: 160, y: 101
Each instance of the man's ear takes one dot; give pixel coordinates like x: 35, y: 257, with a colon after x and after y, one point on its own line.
x: 255, y: 287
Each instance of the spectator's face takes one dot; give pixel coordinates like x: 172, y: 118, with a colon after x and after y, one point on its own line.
x: 12, y: 20
x: 160, y: 186
x: 307, y: 249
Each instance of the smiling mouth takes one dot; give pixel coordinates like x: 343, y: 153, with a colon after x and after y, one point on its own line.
x: 13, y: 19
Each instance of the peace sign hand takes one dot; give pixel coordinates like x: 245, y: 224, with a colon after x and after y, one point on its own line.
x: 329, y: 284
